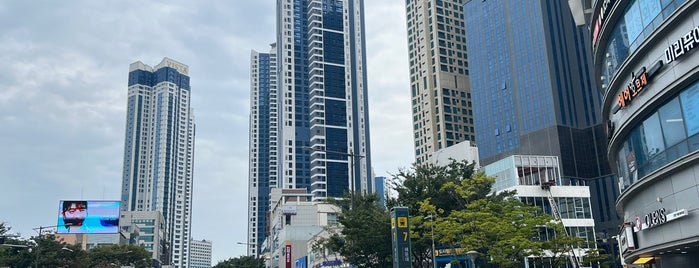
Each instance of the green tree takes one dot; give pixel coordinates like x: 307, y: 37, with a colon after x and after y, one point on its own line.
x: 242, y: 262
x: 466, y: 215
x: 560, y: 244
x: 119, y: 255
x: 364, y: 239
x: 327, y: 246
x: 13, y: 252
x: 428, y: 182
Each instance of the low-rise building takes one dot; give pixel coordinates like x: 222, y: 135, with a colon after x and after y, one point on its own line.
x: 147, y: 229
x: 538, y: 182
x: 200, y: 254
x: 294, y: 220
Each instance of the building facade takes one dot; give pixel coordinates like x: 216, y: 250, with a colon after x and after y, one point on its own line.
x: 159, y: 149
x: 147, y: 229
x: 295, y: 219
x: 439, y: 76
x: 263, y: 173
x: 526, y: 174
x: 534, y: 94
x: 645, y: 56
x: 318, y: 107
x: 462, y: 151
x: 200, y: 255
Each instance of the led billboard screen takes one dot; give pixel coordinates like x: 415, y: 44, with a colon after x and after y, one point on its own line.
x: 88, y: 217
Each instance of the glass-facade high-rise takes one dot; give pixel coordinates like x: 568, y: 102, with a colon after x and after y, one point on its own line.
x: 534, y: 94
x: 318, y: 107
x: 439, y: 76
x: 645, y: 55
x: 159, y: 150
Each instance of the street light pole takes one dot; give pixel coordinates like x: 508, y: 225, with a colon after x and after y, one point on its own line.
x: 434, y: 262
x: 351, y: 161
x: 41, y: 230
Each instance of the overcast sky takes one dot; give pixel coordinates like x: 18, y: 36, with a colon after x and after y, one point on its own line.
x: 63, y: 86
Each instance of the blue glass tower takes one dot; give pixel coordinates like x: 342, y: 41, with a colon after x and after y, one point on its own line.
x: 533, y: 93
x: 318, y: 107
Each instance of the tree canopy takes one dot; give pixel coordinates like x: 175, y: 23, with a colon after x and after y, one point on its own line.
x: 364, y: 239
x: 51, y: 251
x: 468, y: 216
x: 241, y: 262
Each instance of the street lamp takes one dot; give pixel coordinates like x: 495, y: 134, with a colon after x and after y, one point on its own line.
x: 247, y: 244
x: 434, y: 263
x: 40, y: 231
x: 350, y: 155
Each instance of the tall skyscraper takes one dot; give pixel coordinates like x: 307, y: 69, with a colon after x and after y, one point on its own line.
x: 263, y: 173
x: 159, y: 150
x: 318, y: 125
x: 533, y: 93
x: 439, y: 76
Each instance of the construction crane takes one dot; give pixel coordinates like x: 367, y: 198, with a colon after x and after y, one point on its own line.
x: 546, y: 186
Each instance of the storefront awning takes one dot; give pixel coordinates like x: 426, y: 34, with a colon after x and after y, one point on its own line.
x: 643, y: 260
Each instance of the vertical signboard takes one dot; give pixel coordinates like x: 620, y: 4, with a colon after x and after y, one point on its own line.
x: 287, y: 254
x: 400, y: 237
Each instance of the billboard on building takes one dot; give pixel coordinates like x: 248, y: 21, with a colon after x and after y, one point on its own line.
x: 88, y: 217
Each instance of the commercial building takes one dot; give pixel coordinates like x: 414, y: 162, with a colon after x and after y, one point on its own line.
x: 560, y: 197
x: 294, y: 220
x: 200, y: 254
x: 645, y: 58
x: 159, y: 149
x: 316, y: 91
x: 439, y: 76
x: 534, y: 94
x: 147, y: 229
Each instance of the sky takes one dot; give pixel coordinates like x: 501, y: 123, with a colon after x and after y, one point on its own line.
x: 63, y: 86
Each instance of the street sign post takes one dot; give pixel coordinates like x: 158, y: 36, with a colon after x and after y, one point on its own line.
x: 400, y: 237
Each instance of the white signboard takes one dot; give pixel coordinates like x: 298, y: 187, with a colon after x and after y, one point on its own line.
x: 289, y: 210
x: 656, y: 218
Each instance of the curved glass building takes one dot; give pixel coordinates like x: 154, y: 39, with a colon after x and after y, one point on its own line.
x: 646, y: 61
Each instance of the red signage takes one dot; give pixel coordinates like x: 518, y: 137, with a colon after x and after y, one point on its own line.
x: 600, y: 20
x: 287, y: 253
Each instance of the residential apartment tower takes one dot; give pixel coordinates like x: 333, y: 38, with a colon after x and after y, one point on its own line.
x: 439, y: 76
x: 318, y: 125
x: 159, y: 150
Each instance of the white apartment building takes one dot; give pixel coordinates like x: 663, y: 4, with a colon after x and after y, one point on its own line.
x: 200, y: 254
x: 159, y: 150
